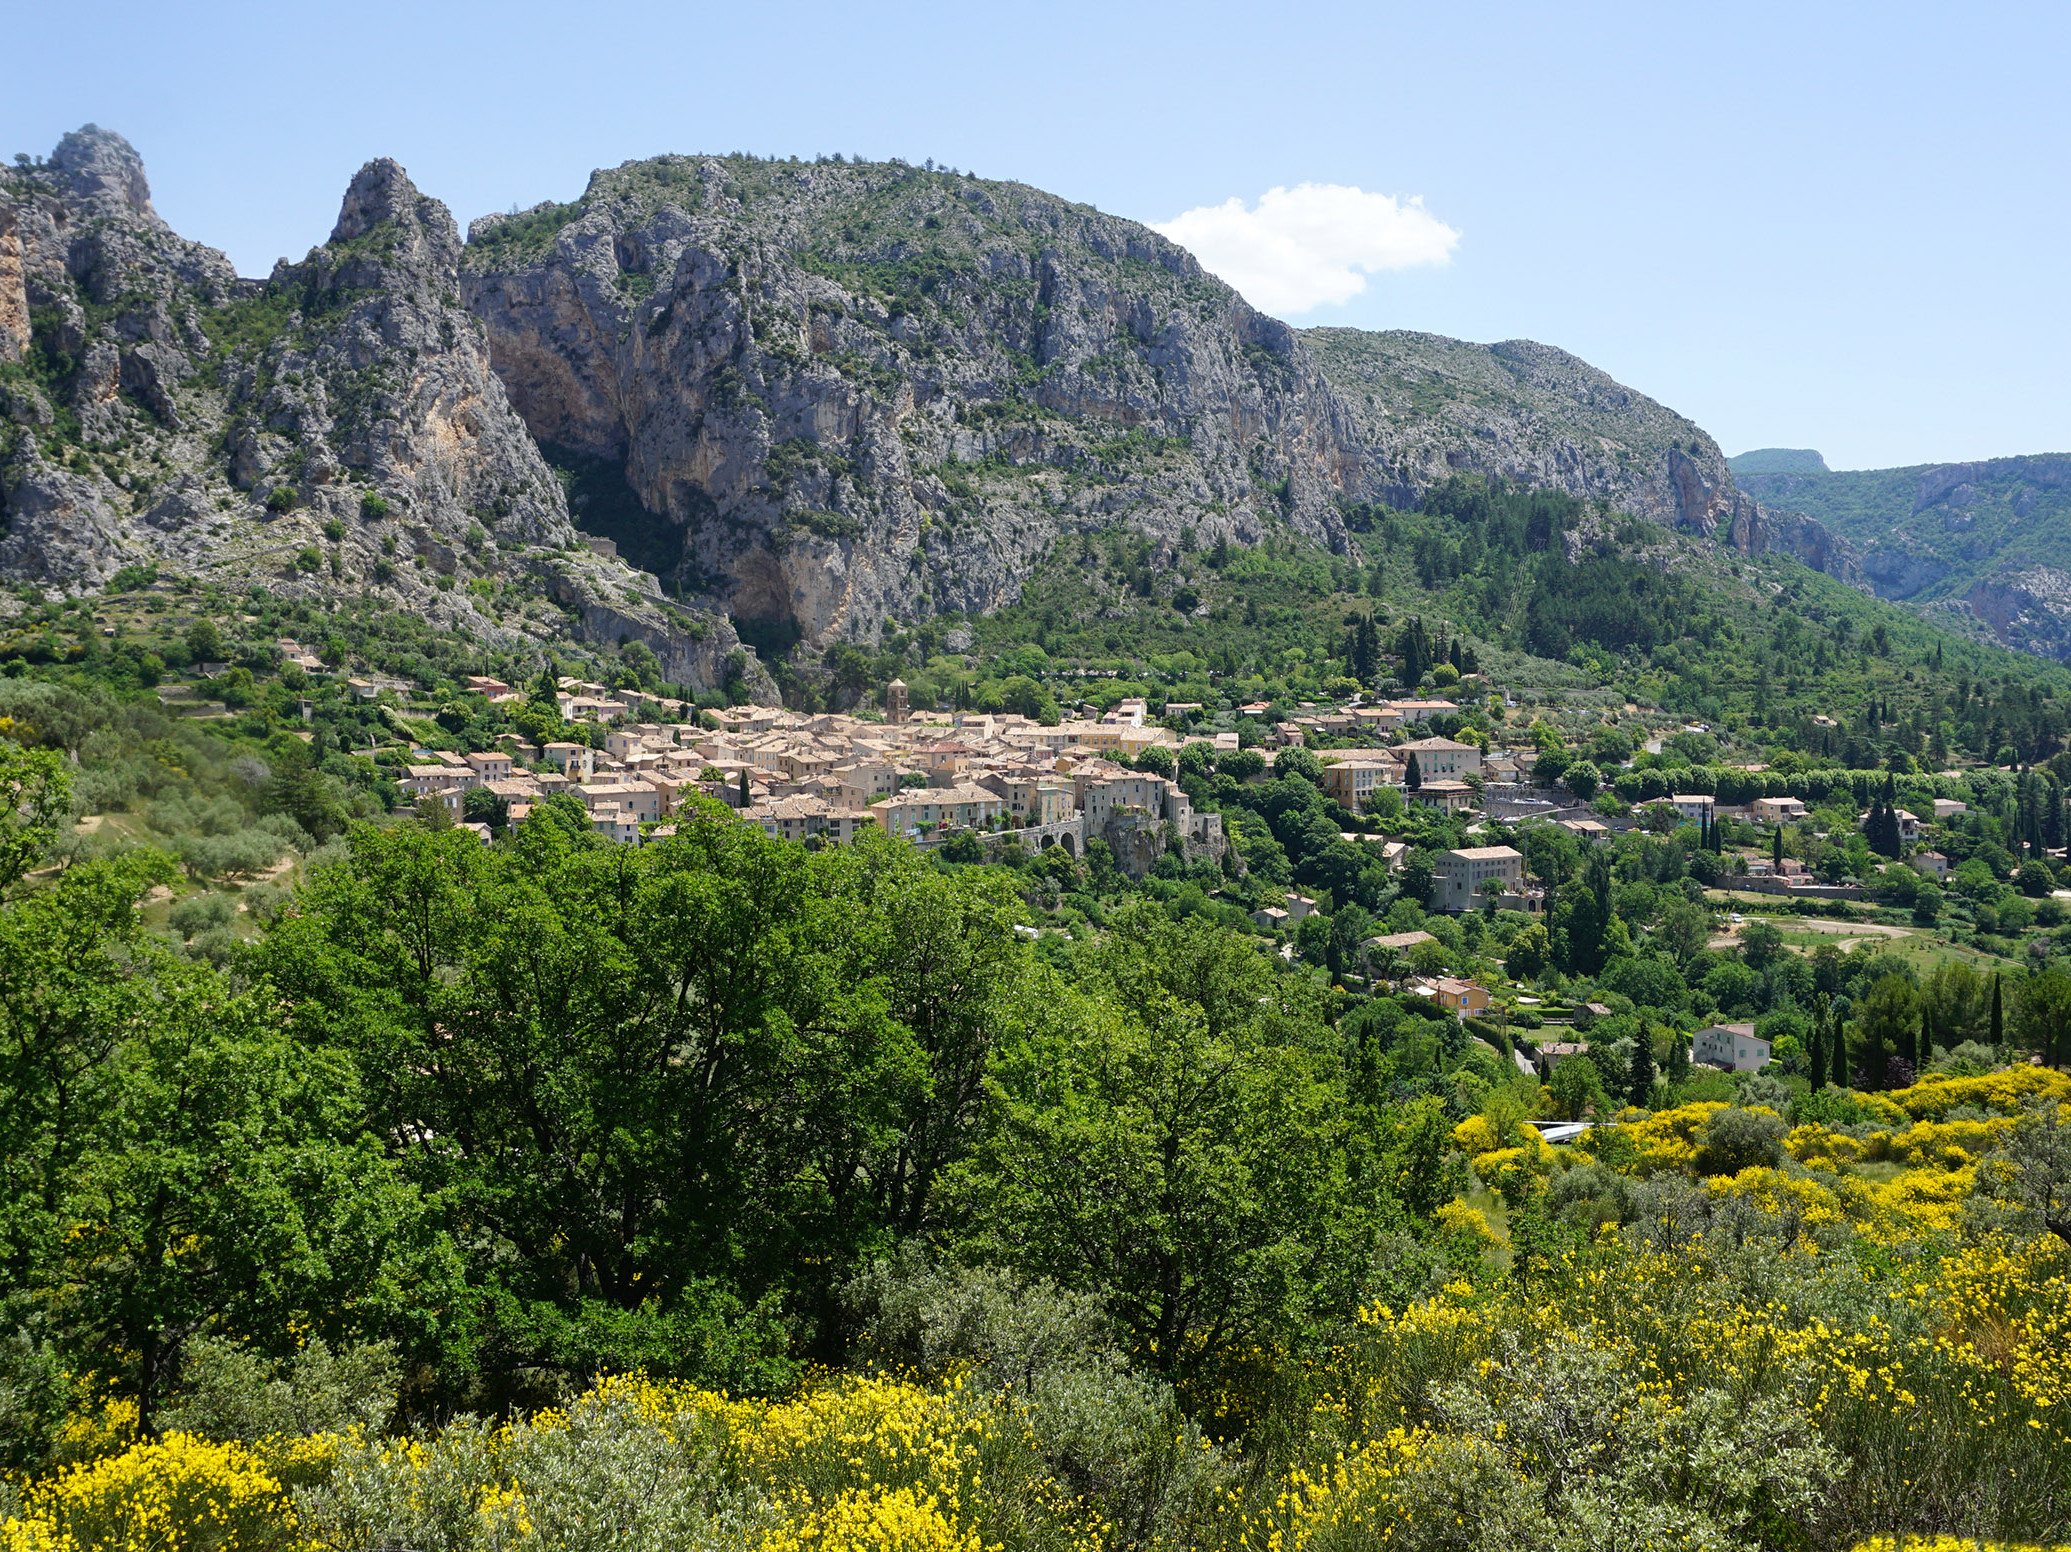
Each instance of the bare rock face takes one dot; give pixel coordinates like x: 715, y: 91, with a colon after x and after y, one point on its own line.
x: 847, y: 393
x: 335, y: 430
x: 2028, y: 609
x: 1427, y: 408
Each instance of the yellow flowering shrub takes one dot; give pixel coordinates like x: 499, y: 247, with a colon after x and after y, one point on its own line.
x: 1371, y: 1497
x: 2007, y: 1091
x: 1776, y: 1192
x: 1468, y: 1222
x: 1669, y: 1139
x: 1917, y: 1202
x: 1946, y: 1144
x: 1817, y: 1146
x: 180, y: 1495
x: 902, y: 1519
x: 1476, y: 1135
x: 1945, y: 1544
x: 1515, y: 1173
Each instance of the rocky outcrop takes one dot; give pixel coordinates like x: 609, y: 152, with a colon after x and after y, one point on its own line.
x: 1427, y: 408
x: 334, y: 430
x: 1989, y: 540
x: 2029, y: 610
x: 851, y: 393
x: 805, y: 399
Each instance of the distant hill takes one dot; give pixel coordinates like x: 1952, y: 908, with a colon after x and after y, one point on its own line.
x: 1992, y: 538
x: 1778, y: 460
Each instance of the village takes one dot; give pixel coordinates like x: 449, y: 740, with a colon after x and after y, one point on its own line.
x: 927, y: 778
x: 975, y: 782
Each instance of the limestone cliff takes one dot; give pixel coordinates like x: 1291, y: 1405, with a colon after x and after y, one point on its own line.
x: 1427, y: 407
x: 333, y: 430
x: 853, y: 392
x: 1989, y: 539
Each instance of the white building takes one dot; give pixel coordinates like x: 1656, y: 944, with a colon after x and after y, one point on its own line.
x: 1441, y: 757
x: 1734, y: 1047
x: 1696, y: 807
x: 1459, y: 875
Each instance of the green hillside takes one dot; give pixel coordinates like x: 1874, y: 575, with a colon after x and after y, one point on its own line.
x: 1778, y: 460
x: 1992, y: 538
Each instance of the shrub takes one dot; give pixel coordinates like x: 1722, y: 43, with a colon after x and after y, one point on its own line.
x: 372, y: 507
x: 184, y: 1492
x: 281, y: 499
x: 229, y: 1392
x: 333, y: 529
x: 1737, y: 1139
x: 308, y: 558
x: 199, y: 913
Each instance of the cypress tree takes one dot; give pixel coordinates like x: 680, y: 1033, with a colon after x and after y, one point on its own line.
x: 1924, y: 1047
x: 744, y: 787
x: 1642, y: 1087
x: 1998, y: 1016
x: 1839, y: 1049
x: 1819, y: 1057
x: 1412, y: 773
x: 1776, y: 847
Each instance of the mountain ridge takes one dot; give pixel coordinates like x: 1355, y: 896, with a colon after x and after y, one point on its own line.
x: 334, y: 429
x: 816, y: 399
x: 1986, y: 539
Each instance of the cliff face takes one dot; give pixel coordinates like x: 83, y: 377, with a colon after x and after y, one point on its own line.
x: 1990, y: 538
x: 333, y: 430
x: 810, y: 398
x: 848, y: 393
x: 1426, y: 407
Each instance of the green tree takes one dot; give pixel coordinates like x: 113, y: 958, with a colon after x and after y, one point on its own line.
x: 1157, y: 1138
x: 2042, y: 1014
x: 296, y: 788
x: 35, y: 803
x: 1887, y: 1018
x: 205, y: 641
x: 233, y: 1190
x: 654, y: 1076
x: 1529, y: 954
x: 1577, y: 1086
x: 1412, y: 773
x: 1640, y: 1090
x: 68, y: 993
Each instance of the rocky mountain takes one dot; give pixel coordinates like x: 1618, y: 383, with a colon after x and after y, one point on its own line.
x: 333, y: 429
x: 1427, y: 407
x: 1990, y: 540
x: 1777, y: 460
x: 805, y: 399
x: 854, y: 392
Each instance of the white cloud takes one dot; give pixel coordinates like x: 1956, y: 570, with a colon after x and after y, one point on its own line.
x: 1310, y: 245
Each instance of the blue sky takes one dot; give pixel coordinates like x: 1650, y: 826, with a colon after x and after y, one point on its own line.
x: 1804, y: 225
